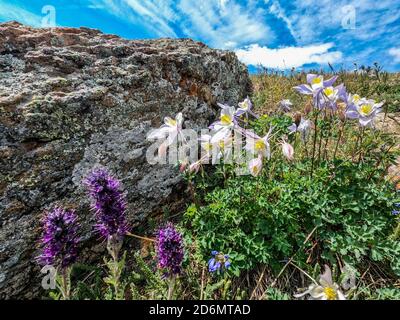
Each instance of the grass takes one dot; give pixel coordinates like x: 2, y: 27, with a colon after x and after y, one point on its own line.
x: 270, y: 87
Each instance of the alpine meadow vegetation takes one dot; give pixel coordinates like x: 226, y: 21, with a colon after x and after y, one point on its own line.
x: 312, y: 214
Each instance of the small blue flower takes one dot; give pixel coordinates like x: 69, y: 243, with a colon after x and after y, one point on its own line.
x: 218, y: 262
x: 396, y: 212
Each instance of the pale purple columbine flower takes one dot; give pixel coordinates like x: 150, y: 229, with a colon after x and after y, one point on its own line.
x: 258, y: 145
x: 108, y: 204
x: 171, y: 129
x: 365, y: 111
x: 303, y: 128
x: 170, y: 250
x: 245, y: 107
x: 315, y: 84
x: 326, y: 289
x: 224, y: 126
x: 255, y: 166
x: 285, y: 105
x: 219, y: 262
x: 60, y: 238
x: 329, y: 96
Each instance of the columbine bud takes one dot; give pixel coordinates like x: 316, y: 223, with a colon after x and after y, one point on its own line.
x: 297, y: 118
x: 308, y: 108
x: 183, y: 166
x: 287, y: 150
x: 194, y: 167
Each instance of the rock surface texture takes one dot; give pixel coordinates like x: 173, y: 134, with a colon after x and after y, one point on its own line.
x: 72, y: 99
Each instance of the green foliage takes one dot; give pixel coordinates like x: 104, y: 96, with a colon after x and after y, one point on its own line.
x: 145, y: 283
x: 386, y: 293
x: 264, y: 220
x: 113, y: 279
x: 330, y: 204
x: 275, y: 294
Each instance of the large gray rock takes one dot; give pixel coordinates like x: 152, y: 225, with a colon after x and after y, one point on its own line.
x: 72, y: 99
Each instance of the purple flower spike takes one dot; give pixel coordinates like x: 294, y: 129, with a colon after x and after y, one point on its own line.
x: 169, y: 247
x: 218, y: 262
x: 60, y: 239
x: 108, y: 204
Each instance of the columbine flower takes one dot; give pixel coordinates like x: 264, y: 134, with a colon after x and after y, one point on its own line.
x: 325, y: 290
x: 353, y: 99
x: 315, y: 84
x: 255, y: 166
x: 108, y: 204
x: 224, y: 125
x: 244, y: 107
x: 287, y: 150
x: 285, y: 105
x: 258, y: 145
x: 206, y: 146
x: 225, y: 148
x: 171, y: 129
x: 218, y: 262
x: 303, y: 127
x: 169, y: 247
x: 60, y: 239
x: 365, y: 111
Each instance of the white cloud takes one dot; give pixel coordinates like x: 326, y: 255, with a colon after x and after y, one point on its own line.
x: 289, y: 57
x: 13, y: 12
x: 219, y: 23
x: 395, y: 53
x: 222, y: 27
x: 222, y: 3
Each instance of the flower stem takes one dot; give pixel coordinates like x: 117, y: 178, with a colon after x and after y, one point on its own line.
x: 314, y: 142
x: 361, y: 142
x: 65, y: 287
x: 171, y: 287
x: 139, y: 237
x: 341, y: 130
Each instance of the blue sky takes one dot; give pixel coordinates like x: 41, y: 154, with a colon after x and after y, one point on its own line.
x: 277, y: 34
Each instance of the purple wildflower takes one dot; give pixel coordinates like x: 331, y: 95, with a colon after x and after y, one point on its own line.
x: 108, y: 203
x: 323, y: 92
x: 60, y: 239
x: 315, y: 84
x: 395, y: 211
x: 218, y: 262
x: 169, y: 247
